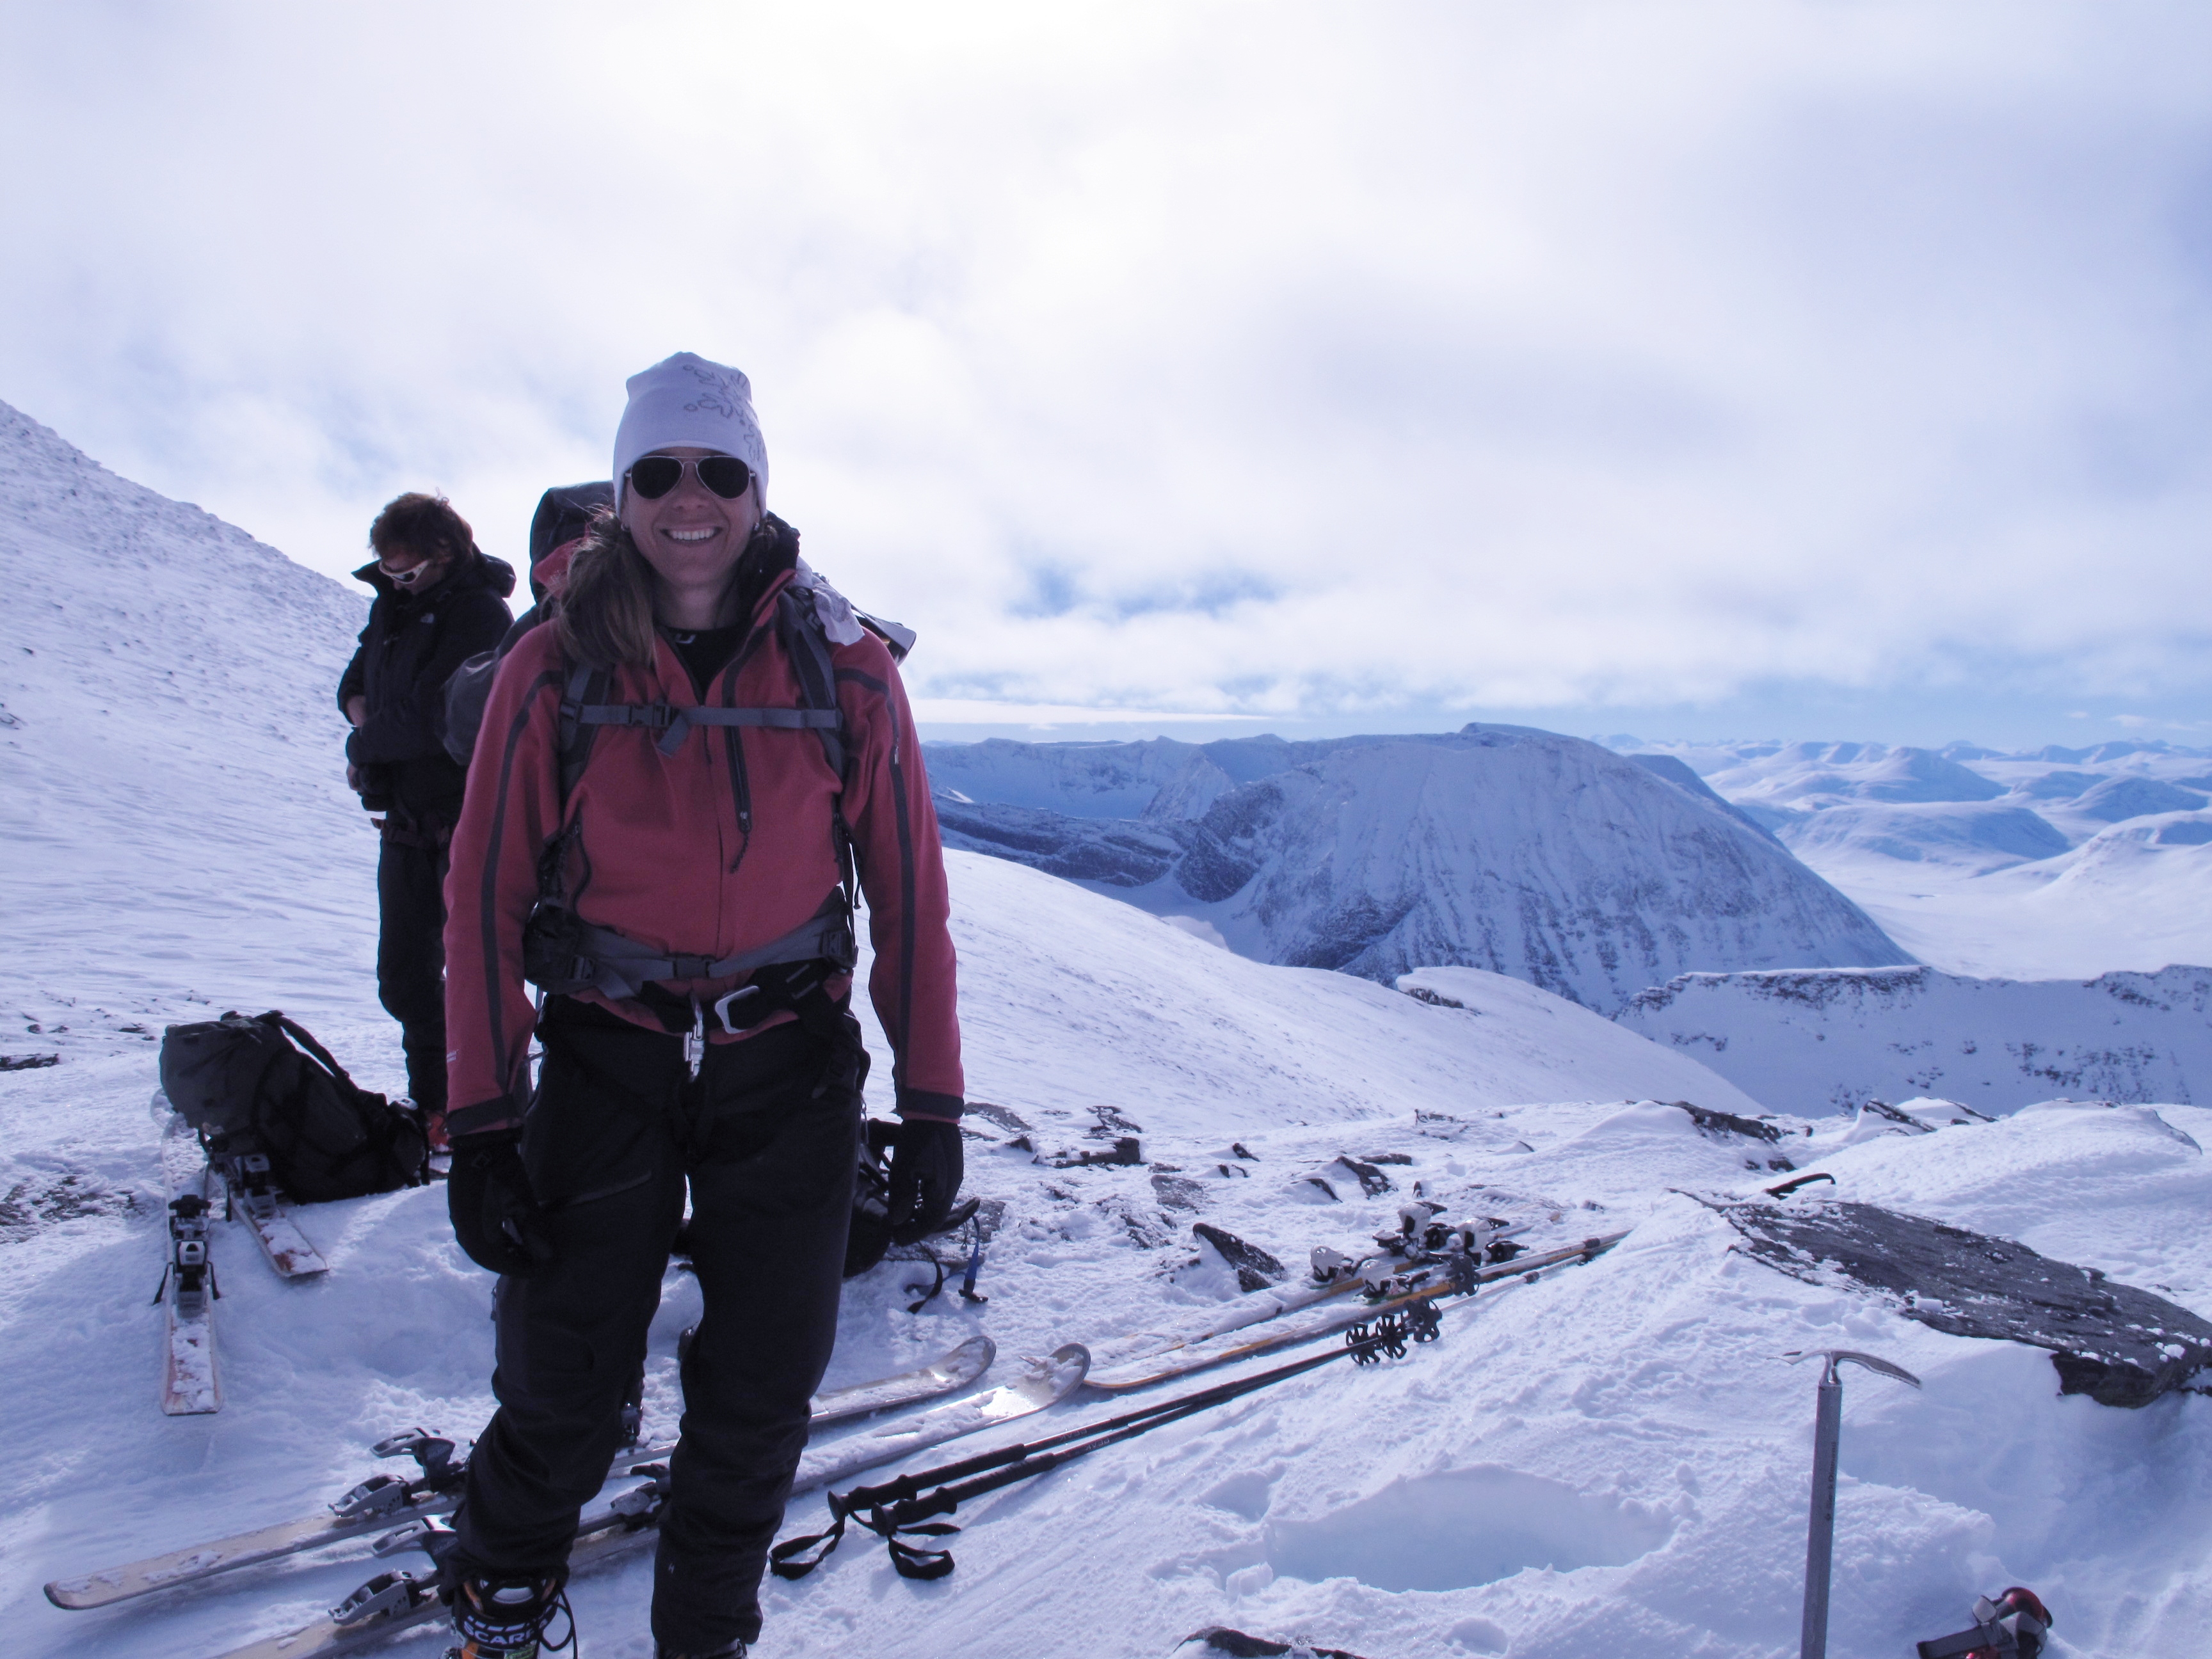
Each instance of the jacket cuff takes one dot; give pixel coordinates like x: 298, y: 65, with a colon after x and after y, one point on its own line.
x: 483, y: 1118
x: 920, y: 1103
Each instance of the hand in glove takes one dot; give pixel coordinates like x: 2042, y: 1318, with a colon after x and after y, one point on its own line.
x: 495, y: 1216
x: 925, y: 1170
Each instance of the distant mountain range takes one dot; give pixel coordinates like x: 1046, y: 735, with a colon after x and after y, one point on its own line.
x: 1525, y: 853
x: 2058, y: 864
x: 1960, y: 804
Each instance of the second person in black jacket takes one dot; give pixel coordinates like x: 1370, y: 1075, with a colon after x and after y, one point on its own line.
x: 439, y: 601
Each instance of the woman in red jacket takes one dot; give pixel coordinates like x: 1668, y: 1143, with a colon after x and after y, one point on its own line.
x: 678, y: 786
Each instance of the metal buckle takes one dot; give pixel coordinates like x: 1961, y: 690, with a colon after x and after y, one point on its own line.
x: 722, y: 1009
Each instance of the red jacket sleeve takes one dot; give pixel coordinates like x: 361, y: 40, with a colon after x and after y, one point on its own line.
x: 901, y: 867
x: 512, y: 804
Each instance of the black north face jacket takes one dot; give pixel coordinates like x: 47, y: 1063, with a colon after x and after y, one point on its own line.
x: 413, y: 643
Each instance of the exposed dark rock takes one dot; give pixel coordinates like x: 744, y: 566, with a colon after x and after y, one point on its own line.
x: 1219, y: 1639
x: 25, y: 1209
x: 1372, y: 1181
x: 1750, y: 1128
x: 1110, y: 1125
x: 998, y: 1114
x: 1127, y: 1151
x: 2118, y: 1345
x: 1176, y: 1192
x: 1255, y: 1268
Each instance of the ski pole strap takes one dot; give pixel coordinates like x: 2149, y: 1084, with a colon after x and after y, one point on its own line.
x: 898, y: 1510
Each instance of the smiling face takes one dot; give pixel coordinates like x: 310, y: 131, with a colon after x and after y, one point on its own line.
x: 692, y: 538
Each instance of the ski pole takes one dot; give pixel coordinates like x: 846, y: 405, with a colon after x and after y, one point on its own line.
x: 1820, y: 1531
x: 899, y: 1505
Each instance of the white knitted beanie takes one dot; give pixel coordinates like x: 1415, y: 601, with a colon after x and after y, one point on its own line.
x: 686, y: 402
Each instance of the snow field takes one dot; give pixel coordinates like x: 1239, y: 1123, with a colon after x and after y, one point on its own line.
x: 1612, y: 1459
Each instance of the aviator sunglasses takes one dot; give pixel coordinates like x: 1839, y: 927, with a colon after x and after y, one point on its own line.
x: 656, y: 475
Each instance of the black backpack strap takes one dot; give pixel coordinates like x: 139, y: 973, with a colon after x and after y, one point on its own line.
x: 579, y: 701
x: 321, y: 1055
x: 808, y: 648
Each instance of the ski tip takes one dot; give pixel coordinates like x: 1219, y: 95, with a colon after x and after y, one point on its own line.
x: 1069, y: 1365
x: 978, y: 1350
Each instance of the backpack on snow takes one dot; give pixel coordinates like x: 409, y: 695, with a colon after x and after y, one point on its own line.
x: 243, y: 1084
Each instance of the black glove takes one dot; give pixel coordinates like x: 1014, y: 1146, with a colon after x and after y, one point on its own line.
x: 925, y: 1170
x: 495, y: 1216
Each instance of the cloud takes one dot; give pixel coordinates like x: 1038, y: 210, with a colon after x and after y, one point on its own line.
x: 1219, y: 359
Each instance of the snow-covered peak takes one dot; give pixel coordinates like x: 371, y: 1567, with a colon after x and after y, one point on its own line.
x: 1522, y: 852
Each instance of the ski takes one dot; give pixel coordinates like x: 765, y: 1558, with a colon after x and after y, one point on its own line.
x: 1324, y: 1321
x: 397, y: 1601
x: 1044, y: 1383
x: 256, y: 1197
x: 384, y: 1501
x: 954, y: 1368
x: 190, y: 1385
x: 394, y: 1601
x: 1334, y: 1275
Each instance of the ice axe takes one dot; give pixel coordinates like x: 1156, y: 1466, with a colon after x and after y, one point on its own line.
x: 1820, y: 1534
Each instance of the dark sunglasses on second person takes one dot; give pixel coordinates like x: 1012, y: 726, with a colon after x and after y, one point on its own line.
x: 656, y: 475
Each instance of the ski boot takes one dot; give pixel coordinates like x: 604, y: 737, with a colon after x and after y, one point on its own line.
x: 507, y: 1618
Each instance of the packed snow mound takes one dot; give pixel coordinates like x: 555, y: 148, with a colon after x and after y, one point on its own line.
x: 1805, y: 1042
x: 1521, y: 852
x: 171, y: 770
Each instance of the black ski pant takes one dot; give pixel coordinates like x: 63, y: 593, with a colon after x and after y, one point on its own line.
x: 410, y: 956
x: 767, y: 1138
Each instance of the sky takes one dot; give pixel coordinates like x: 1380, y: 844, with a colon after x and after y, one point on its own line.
x: 1799, y: 368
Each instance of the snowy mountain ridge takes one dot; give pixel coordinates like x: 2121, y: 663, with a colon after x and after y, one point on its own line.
x: 1502, y: 848
x: 1828, y: 1041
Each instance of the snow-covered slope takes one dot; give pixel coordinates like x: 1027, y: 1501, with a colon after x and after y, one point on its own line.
x: 172, y: 787
x: 1828, y: 1041
x: 1501, y: 848
x: 1610, y: 1461
x: 2066, y: 863
x: 1175, y: 1031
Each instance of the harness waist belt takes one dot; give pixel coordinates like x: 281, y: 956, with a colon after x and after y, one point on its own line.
x: 618, y: 966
